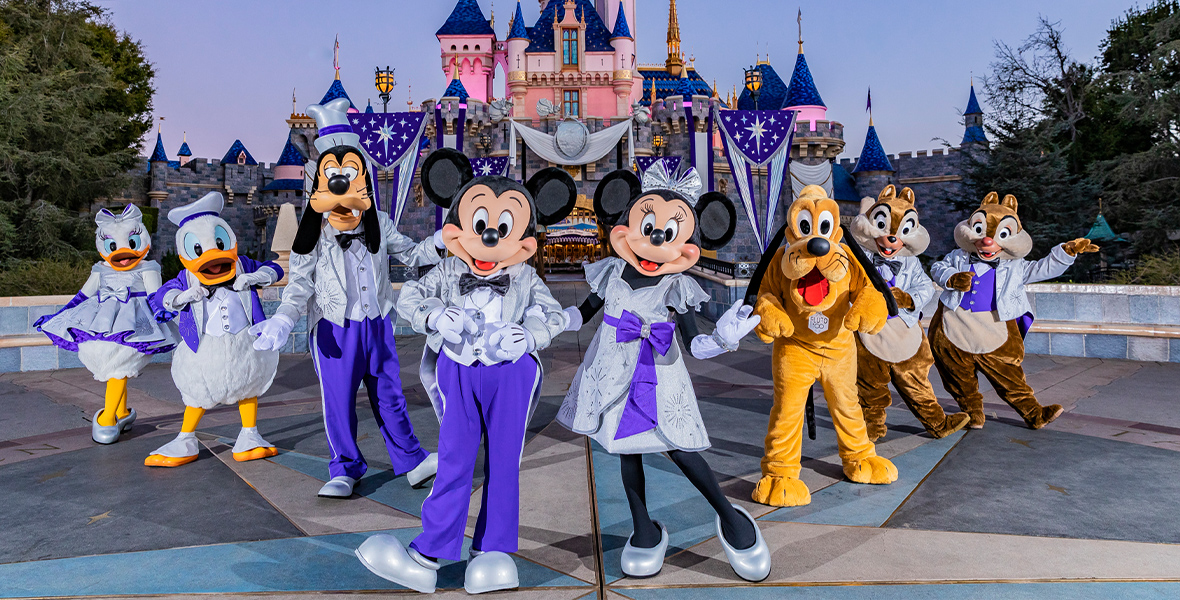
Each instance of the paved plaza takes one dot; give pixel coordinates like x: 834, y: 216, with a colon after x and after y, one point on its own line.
x: 1084, y: 509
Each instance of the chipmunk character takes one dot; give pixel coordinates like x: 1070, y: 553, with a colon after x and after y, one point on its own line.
x: 984, y: 312
x: 340, y: 276
x: 889, y: 232
x: 633, y: 394
x: 109, y: 323
x: 810, y: 306
x: 485, y: 314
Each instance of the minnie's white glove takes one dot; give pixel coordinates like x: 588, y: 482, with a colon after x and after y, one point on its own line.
x: 259, y: 278
x: 187, y: 297
x: 272, y: 333
x: 734, y: 325
x: 451, y: 323
x: 509, y: 342
x: 575, y: 316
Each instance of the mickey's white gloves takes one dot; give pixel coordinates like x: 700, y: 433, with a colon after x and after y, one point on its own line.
x: 259, y: 278
x: 438, y: 241
x: 575, y: 316
x: 451, y: 323
x: 509, y: 342
x: 734, y: 325
x: 185, y: 298
x: 272, y: 333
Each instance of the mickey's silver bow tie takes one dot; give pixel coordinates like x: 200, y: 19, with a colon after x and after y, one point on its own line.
x: 688, y: 185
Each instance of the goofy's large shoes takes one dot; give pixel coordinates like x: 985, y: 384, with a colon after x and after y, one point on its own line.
x: 424, y: 473
x: 251, y: 446
x: 338, y: 487
x: 753, y: 563
x: 180, y: 451
x: 644, y: 562
x: 489, y: 572
x: 385, y: 556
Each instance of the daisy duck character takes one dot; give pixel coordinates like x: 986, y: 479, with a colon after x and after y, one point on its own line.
x: 340, y: 276
x: 633, y: 394
x: 109, y: 323
x: 485, y: 314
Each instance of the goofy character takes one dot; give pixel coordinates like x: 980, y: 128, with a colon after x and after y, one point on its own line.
x: 340, y: 275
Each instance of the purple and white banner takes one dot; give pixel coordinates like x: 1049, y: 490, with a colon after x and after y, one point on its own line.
x: 643, y: 163
x: 754, y: 139
x: 491, y: 165
x: 391, y: 141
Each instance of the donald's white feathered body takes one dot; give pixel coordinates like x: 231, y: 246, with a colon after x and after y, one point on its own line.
x: 223, y: 370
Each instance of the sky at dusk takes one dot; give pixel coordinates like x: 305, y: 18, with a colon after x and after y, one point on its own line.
x: 225, y: 69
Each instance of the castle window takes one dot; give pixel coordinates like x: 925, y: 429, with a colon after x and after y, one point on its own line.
x: 477, y: 47
x: 465, y: 47
x: 569, y: 47
x: 572, y: 103
x: 241, y: 158
x: 454, y: 47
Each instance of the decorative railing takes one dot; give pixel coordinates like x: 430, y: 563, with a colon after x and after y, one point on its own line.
x: 738, y: 270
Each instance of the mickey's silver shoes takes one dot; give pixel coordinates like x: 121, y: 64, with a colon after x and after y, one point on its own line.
x: 338, y: 487
x: 422, y: 474
x: 644, y: 562
x: 490, y: 571
x: 385, y: 556
x: 753, y: 563
x: 101, y: 434
x: 124, y: 424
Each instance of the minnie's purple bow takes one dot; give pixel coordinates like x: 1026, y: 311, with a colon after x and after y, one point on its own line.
x: 639, y: 414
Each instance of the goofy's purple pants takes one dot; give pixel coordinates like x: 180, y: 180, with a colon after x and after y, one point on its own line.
x: 345, y: 356
x: 491, y: 400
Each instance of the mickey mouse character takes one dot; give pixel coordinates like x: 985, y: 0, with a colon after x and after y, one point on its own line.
x: 340, y: 275
x: 485, y: 314
x: 632, y: 394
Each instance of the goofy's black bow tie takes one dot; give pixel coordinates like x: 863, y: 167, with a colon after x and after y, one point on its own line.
x: 469, y: 283
x: 345, y: 239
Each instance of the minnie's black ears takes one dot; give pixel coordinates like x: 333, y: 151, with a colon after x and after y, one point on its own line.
x: 614, y: 195
x: 716, y: 220
x: 444, y: 173
x: 554, y: 195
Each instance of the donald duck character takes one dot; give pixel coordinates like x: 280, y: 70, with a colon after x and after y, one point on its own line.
x: 218, y: 306
x: 108, y: 323
x: 340, y: 276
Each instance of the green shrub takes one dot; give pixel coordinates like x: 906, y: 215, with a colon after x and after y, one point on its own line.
x: 43, y: 277
x: 1153, y: 269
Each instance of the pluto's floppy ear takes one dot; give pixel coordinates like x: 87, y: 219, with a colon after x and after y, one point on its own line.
x: 907, y: 196
x: 554, y: 195
x: 716, y: 219
x: 614, y: 194
x: 444, y: 173
x: 990, y: 198
x: 1009, y: 202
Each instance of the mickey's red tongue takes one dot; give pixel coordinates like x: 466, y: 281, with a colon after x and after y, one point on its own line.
x: 813, y: 287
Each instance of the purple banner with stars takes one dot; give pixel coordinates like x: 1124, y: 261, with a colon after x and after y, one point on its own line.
x: 643, y: 163
x: 758, y: 134
x: 386, y: 137
x: 491, y: 165
x: 758, y: 139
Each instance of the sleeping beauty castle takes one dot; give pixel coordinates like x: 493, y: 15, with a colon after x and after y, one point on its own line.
x: 574, y: 95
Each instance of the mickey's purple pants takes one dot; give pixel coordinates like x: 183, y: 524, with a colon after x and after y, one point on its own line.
x: 491, y: 400
x: 345, y: 356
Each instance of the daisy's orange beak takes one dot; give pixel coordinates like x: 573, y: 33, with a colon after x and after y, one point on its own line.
x: 214, y: 266
x: 125, y: 259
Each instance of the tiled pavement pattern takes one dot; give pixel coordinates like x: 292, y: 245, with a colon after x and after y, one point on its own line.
x: 1084, y: 509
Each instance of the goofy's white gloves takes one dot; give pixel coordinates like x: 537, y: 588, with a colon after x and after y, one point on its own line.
x: 272, y: 333
x: 575, y: 316
x: 260, y: 278
x: 451, y: 323
x: 734, y: 325
x: 180, y: 300
x: 509, y: 341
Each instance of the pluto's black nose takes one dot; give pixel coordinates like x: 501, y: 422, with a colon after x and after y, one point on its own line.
x: 818, y: 247
x: 338, y: 185
x: 491, y: 237
x: 657, y: 237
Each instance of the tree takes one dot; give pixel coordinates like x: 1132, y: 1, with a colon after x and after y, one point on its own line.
x: 75, y: 101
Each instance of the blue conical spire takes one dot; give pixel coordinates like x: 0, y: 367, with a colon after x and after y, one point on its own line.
x: 973, y: 104
x: 466, y: 19
x: 336, y: 90
x: 456, y: 89
x: 369, y: 108
x: 621, y: 29
x: 231, y: 155
x: 291, y: 156
x: 801, y: 91
x: 158, y: 155
x: 184, y: 150
x: 873, y: 157
x: 518, y: 31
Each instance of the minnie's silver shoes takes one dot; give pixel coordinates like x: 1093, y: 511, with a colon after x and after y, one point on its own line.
x: 753, y: 563
x: 644, y: 562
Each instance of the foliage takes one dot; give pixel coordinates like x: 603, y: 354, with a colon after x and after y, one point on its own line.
x: 43, y: 277
x: 1158, y: 269
x: 170, y: 266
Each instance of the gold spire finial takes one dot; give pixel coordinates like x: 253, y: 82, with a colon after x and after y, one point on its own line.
x: 492, y: 21
x: 800, y: 20
x: 161, y: 129
x: 185, y: 141
x: 675, y: 60
x: 653, y: 93
x: 293, y: 101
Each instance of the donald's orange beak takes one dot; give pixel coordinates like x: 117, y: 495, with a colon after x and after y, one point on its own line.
x: 214, y: 266
x: 125, y: 259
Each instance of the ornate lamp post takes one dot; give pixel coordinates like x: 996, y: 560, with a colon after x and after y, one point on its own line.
x: 754, y: 83
x: 385, y: 83
x: 485, y: 142
x: 657, y: 144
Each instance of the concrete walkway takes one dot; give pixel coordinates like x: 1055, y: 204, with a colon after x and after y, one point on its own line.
x: 1083, y: 509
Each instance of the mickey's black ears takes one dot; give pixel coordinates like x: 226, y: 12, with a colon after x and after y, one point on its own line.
x: 554, y: 195
x: 614, y: 194
x: 444, y: 173
x: 716, y: 220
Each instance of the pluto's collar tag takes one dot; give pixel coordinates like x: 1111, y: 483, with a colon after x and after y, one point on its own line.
x: 817, y: 323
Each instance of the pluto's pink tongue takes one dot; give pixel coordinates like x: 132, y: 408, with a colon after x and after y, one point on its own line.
x: 813, y: 287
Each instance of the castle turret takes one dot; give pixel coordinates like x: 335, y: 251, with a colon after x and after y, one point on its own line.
x: 158, y: 154
x: 184, y: 154
x: 816, y: 138
x: 468, y: 41
x: 624, y: 75
x: 456, y: 88
x: 973, y: 121
x: 336, y: 90
x: 873, y: 170
x: 517, y: 83
x: 674, y: 64
x: 158, y: 167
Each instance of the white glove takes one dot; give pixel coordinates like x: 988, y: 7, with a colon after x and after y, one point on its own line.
x: 187, y: 297
x: 272, y: 333
x: 258, y: 278
x: 734, y: 325
x: 509, y: 342
x: 575, y: 316
x: 451, y: 323
x: 438, y: 241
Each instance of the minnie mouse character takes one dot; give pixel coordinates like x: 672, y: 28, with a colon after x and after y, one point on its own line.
x: 632, y: 393
x: 483, y: 310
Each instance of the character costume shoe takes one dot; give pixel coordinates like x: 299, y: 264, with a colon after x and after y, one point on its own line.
x: 385, y: 556
x: 124, y: 424
x: 338, y: 487
x: 180, y: 451
x: 644, y: 562
x: 101, y: 434
x: 424, y: 473
x: 251, y: 446
x: 753, y: 563
x: 489, y: 572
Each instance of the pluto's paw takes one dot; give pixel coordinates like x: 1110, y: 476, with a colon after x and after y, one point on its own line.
x: 873, y: 469
x: 781, y: 491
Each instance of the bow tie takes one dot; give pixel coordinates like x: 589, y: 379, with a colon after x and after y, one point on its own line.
x: 469, y: 283
x: 894, y: 265
x: 975, y: 259
x: 345, y: 239
x: 212, y: 289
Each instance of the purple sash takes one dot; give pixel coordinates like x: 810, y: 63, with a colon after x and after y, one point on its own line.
x: 639, y: 414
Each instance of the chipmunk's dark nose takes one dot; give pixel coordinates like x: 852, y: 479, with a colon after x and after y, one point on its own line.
x: 657, y: 237
x: 892, y: 239
x: 491, y: 237
x: 818, y: 247
x: 338, y: 185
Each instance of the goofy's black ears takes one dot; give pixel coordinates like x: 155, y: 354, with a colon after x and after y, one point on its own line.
x: 614, y: 194
x: 554, y: 195
x: 444, y: 173
x: 717, y: 220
